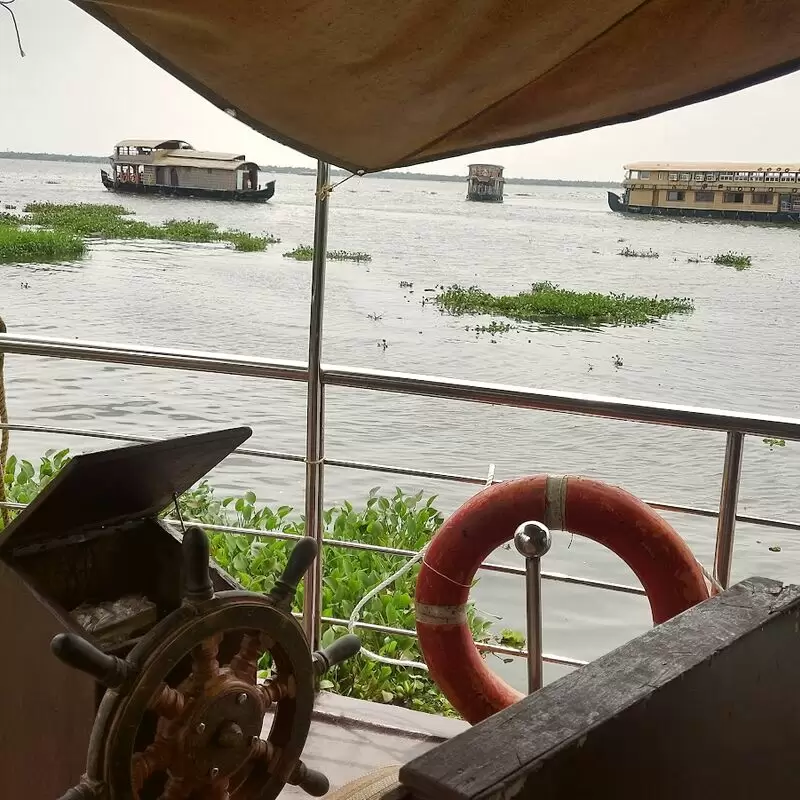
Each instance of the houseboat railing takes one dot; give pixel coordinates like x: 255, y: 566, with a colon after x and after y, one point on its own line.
x: 735, y: 425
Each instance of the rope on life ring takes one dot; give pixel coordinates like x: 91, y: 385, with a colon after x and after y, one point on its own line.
x: 672, y: 578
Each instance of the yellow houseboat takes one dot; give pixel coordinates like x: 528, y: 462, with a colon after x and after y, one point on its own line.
x: 762, y: 192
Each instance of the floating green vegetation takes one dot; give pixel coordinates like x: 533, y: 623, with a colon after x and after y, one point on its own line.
x: 38, y: 246
x: 738, y: 261
x: 248, y: 243
x: 397, y: 520
x: 348, y: 255
x: 115, y: 222
x: 7, y: 218
x: 305, y: 252
x: 492, y: 328
x: 631, y: 253
x: 773, y: 443
x: 546, y: 302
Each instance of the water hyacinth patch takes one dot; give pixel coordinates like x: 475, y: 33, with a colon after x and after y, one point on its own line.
x: 546, y: 302
x: 38, y: 246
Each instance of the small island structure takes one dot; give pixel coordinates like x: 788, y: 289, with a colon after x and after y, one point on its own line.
x: 745, y: 191
x: 174, y: 167
x: 485, y: 183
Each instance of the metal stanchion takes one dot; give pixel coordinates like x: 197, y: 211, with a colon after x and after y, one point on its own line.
x: 532, y: 540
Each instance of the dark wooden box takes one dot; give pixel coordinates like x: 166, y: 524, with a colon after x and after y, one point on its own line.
x: 705, y: 705
x: 91, y: 536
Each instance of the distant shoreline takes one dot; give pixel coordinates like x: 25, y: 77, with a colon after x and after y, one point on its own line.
x: 406, y: 176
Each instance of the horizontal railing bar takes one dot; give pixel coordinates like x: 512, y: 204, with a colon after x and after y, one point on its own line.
x: 566, y: 402
x: 333, y: 462
x: 119, y: 437
x: 396, y: 551
x: 419, y: 385
x: 499, y: 649
x: 191, y: 360
x: 410, y: 471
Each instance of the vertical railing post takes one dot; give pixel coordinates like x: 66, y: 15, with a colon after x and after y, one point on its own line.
x: 532, y: 540
x: 728, y: 501
x: 315, y: 412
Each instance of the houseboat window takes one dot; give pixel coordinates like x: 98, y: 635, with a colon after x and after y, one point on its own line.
x: 733, y: 197
x: 772, y: 177
x: 726, y: 176
x: 757, y: 176
x: 686, y: 176
x: 762, y: 198
x: 662, y: 175
x: 742, y: 176
x: 704, y: 197
x: 789, y: 177
x: 673, y: 176
x: 644, y: 175
x: 698, y: 176
x: 711, y: 177
x: 676, y: 196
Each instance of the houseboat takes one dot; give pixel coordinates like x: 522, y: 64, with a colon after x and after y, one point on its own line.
x: 760, y: 192
x: 174, y: 167
x: 485, y: 183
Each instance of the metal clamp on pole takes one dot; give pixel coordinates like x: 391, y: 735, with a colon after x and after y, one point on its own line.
x: 532, y: 540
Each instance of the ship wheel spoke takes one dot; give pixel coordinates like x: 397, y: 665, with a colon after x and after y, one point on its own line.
x: 263, y: 750
x: 204, y: 661
x: 245, y: 663
x: 176, y: 789
x: 168, y: 702
x: 154, y: 758
x: 275, y: 690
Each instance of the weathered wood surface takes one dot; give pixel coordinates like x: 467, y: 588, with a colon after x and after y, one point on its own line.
x: 703, y: 705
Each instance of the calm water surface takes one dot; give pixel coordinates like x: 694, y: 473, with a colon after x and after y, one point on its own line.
x: 738, y: 350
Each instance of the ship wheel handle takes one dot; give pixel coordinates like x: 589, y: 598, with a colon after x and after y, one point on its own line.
x: 78, y: 653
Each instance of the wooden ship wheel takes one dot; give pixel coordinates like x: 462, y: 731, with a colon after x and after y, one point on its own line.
x: 183, y: 713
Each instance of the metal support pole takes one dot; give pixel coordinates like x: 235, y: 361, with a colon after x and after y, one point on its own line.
x: 729, y: 498
x: 532, y: 540
x: 315, y: 416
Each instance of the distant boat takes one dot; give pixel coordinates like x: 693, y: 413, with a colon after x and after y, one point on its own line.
x: 174, y: 167
x: 757, y: 192
x: 485, y: 183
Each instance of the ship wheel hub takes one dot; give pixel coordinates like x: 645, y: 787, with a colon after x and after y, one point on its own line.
x: 216, y: 735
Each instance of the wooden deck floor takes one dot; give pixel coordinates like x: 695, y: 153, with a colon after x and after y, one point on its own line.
x: 350, y: 738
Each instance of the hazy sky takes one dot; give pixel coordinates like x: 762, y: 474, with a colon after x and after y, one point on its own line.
x: 80, y: 89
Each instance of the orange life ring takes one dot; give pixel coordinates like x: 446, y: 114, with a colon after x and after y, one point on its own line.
x: 647, y: 543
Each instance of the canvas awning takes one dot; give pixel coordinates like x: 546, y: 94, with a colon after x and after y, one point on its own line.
x: 375, y: 84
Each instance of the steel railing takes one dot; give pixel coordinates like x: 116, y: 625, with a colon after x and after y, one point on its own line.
x: 735, y: 425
